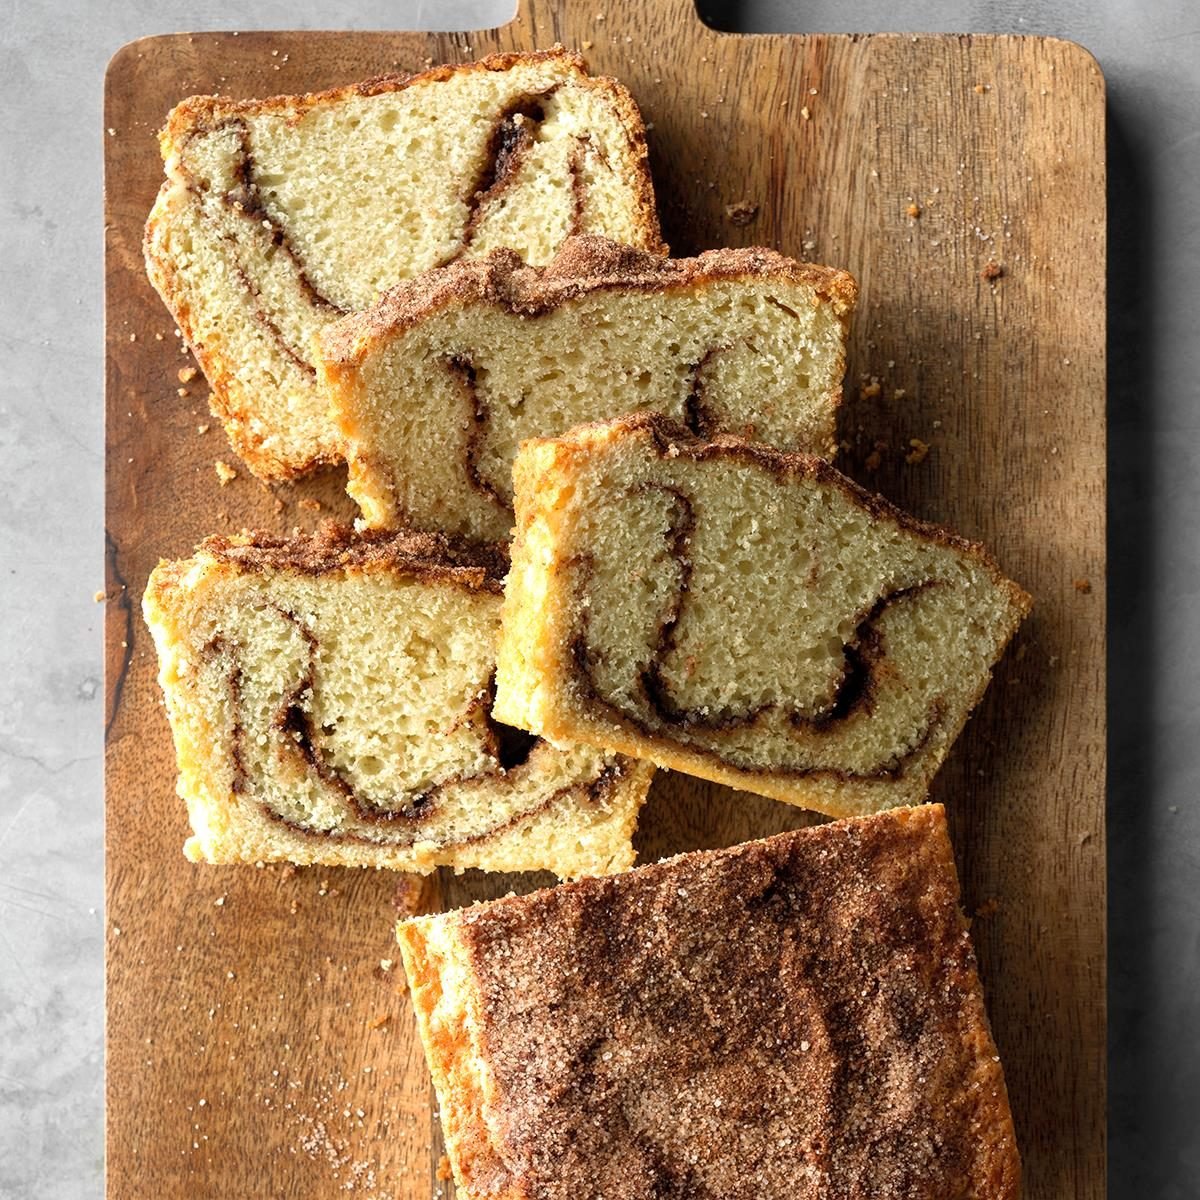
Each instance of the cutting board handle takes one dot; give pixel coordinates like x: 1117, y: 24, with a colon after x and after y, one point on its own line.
x: 623, y: 18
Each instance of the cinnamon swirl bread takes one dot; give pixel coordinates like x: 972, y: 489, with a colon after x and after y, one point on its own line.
x: 748, y: 616
x: 434, y: 387
x: 279, y: 216
x: 799, y: 1018
x: 330, y: 698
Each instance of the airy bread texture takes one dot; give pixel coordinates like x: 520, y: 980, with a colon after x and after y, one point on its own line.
x: 279, y: 216
x: 434, y: 388
x: 330, y: 698
x: 798, y: 1018
x: 751, y: 617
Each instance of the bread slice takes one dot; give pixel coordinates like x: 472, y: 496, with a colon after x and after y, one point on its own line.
x: 751, y: 617
x: 278, y: 216
x: 330, y: 698
x: 790, y: 1019
x: 434, y: 387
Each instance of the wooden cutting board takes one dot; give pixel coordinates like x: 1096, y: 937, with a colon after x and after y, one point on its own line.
x: 256, y: 1046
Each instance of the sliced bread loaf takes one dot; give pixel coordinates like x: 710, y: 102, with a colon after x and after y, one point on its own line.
x: 330, y: 698
x: 799, y: 1018
x: 434, y: 387
x: 751, y: 617
x: 278, y: 216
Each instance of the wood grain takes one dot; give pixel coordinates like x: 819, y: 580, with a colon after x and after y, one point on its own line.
x: 256, y: 1047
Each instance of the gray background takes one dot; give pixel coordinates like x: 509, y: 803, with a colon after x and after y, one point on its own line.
x: 52, y: 59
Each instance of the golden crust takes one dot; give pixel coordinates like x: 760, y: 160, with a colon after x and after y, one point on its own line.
x: 815, y: 993
x: 534, y: 662
x: 584, y: 264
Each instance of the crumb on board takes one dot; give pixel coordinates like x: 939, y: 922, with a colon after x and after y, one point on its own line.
x: 992, y: 270
x: 899, y: 393
x: 741, y: 212
x: 981, y: 88
x: 309, y: 504
x: 874, y: 460
x: 444, y: 1172
x: 386, y: 964
x: 918, y: 453
x: 1083, y: 586
x: 187, y: 374
x: 99, y: 595
x: 201, y: 429
x: 805, y: 113
x: 182, y: 392
x: 913, y: 210
x: 871, y: 389
x: 379, y: 1021
x: 225, y: 473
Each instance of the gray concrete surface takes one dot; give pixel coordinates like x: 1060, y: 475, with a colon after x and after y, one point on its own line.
x: 52, y: 58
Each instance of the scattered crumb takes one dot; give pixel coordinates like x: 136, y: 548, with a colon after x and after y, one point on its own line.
x: 201, y: 428
x: 875, y: 459
x: 918, y: 452
x: 587, y: 45
x: 1083, y: 586
x: 386, y: 964
x: 443, y: 1168
x: 980, y: 88
x: 278, y: 505
x: 899, y: 393
x: 99, y: 596
x: 804, y: 112
x: 225, y: 473
x: 187, y: 374
x: 992, y: 270
x: 158, y: 337
x: 913, y: 210
x: 182, y: 392
x: 741, y: 212
x: 133, y: 337
x: 380, y: 1021
x: 409, y: 896
x: 220, y: 901
x: 871, y: 390
x: 309, y: 504
x: 989, y: 908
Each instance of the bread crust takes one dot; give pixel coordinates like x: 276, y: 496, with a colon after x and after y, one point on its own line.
x: 585, y: 263
x: 800, y: 1014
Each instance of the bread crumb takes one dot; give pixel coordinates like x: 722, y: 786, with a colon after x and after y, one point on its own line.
x: 386, y: 964
x: 871, y: 390
x: 980, y: 88
x: 804, y: 112
x: 444, y: 1173
x: 913, y: 210
x: 918, y: 452
x: 875, y: 459
x: 309, y: 504
x: 187, y: 374
x: 380, y: 1021
x: 1083, y: 586
x: 99, y: 596
x: 201, y: 428
x: 587, y: 45
x: 992, y: 270
x: 133, y: 337
x: 741, y: 212
x: 225, y: 473
x: 182, y: 392
x: 899, y: 393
